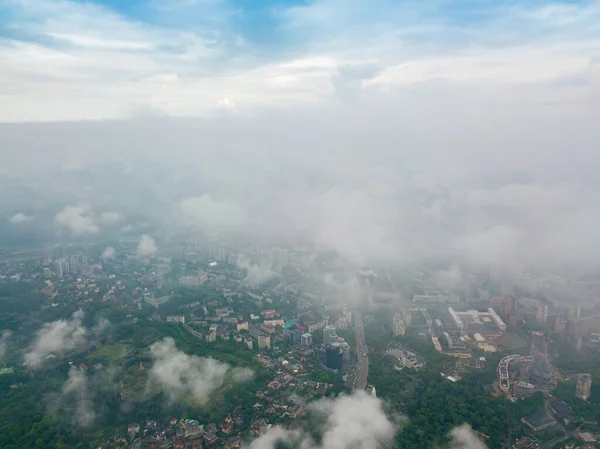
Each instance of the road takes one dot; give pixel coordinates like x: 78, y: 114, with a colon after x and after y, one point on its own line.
x: 362, y: 366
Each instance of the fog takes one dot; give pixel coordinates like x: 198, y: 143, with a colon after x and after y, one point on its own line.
x: 404, y: 182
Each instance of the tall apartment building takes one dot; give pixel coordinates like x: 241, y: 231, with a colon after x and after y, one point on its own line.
x: 584, y: 385
x: 398, y: 325
x: 62, y: 267
x: 264, y: 342
x: 329, y: 335
x: 541, y: 315
x: 306, y: 340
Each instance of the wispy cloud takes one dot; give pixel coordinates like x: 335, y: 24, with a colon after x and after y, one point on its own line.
x: 186, y: 58
x: 180, y: 375
x: 347, y: 421
x: 20, y: 217
x: 78, y: 220
x: 56, y: 338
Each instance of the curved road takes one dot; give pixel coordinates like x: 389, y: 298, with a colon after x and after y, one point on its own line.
x: 362, y: 366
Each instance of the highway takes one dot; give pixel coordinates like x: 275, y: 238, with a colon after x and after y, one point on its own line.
x: 362, y: 366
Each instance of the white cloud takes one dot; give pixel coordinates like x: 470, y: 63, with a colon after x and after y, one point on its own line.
x: 56, y: 338
x: 180, y: 375
x: 76, y: 389
x: 4, y: 336
x: 498, y: 244
x: 109, y: 253
x: 464, y: 438
x: 241, y: 375
x: 226, y: 103
x: 78, y: 220
x: 356, y: 421
x: 110, y: 217
x: 146, y: 246
x: 20, y: 218
x: 86, y: 48
x: 207, y: 213
x: 257, y: 274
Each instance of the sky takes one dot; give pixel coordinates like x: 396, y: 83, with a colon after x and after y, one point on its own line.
x: 395, y: 130
x: 106, y: 59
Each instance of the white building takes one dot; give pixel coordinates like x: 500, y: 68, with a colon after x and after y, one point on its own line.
x: 398, y: 327
x: 62, y: 267
x: 329, y: 335
x: 541, y: 315
x: 306, y: 340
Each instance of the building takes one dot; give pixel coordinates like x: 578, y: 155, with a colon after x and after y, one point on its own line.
x: 274, y: 323
x: 199, y: 279
x: 78, y: 262
x: 398, y: 325
x: 561, y: 411
x: 211, y: 337
x: 334, y: 356
x: 584, y: 385
x: 541, y: 315
x: 341, y: 323
x: 370, y: 390
x: 345, y: 350
x: 248, y: 343
x: 176, y: 319
x: 435, y: 299
x: 524, y: 389
x: 306, y: 340
x: 242, y: 326
x: 574, y: 313
x: 473, y: 320
x: 268, y: 314
x: 538, y: 421
x: 62, y: 267
x: 511, y: 368
x: 264, y: 342
x: 541, y: 368
x: 329, y: 335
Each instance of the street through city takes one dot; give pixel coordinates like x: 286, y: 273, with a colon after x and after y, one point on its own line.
x: 362, y: 365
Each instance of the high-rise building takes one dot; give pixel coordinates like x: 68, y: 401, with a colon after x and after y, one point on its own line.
x: 348, y: 315
x: 334, y: 355
x: 306, y: 340
x: 541, y: 369
x: 584, y: 385
x: 398, y: 325
x: 541, y: 315
x: 574, y: 313
x: 78, y: 262
x: 248, y: 342
x: 57, y: 252
x: 62, y: 267
x: 329, y: 335
x: 264, y: 342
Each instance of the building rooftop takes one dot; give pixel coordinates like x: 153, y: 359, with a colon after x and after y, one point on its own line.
x: 538, y: 421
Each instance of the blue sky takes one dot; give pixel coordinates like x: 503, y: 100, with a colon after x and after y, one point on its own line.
x: 68, y: 60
